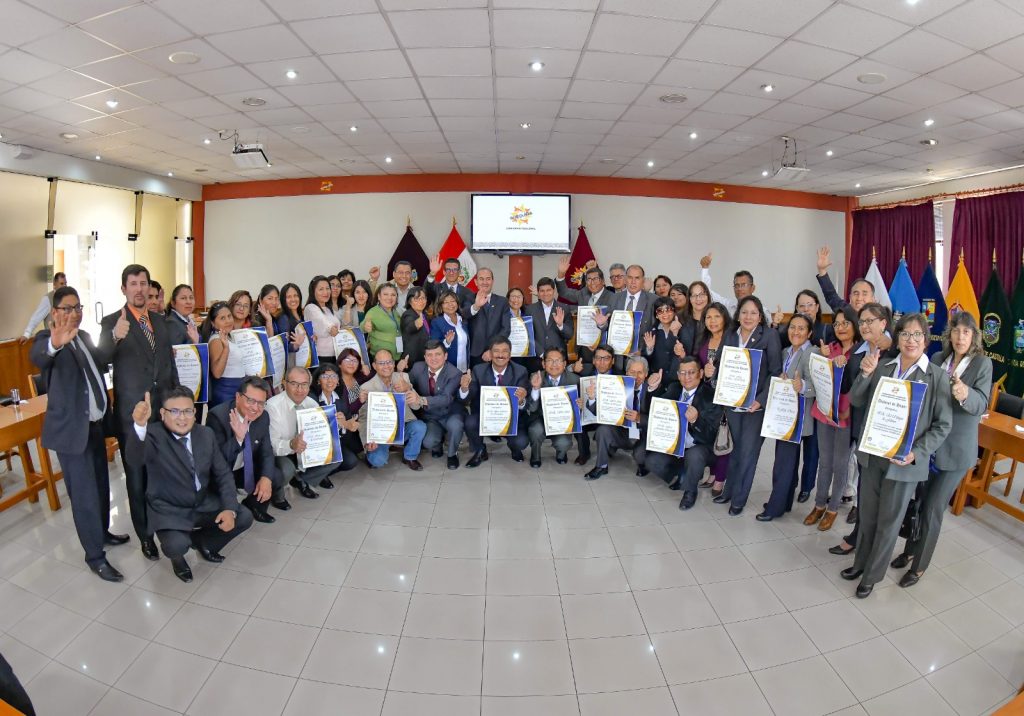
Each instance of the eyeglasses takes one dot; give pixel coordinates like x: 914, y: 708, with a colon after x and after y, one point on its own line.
x: 740, y: 284
x: 615, y: 276
x: 690, y: 372
x: 912, y: 336
x: 665, y: 309
x: 697, y: 295
x: 253, y: 403
x: 451, y: 269
x: 384, y: 363
x: 349, y: 359
x: 297, y: 385
x: 77, y: 308
x: 593, y: 278
x: 180, y: 412
x: 555, y: 361
x: 805, y: 306
x: 597, y: 358
x: 329, y: 376
x: 868, y: 321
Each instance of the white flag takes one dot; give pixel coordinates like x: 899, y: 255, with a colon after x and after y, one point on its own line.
x: 875, y: 277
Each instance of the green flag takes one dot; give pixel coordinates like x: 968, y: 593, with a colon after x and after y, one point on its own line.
x: 1015, y: 381
x: 996, y: 325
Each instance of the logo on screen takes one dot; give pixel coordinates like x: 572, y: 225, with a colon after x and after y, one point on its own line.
x: 521, y: 215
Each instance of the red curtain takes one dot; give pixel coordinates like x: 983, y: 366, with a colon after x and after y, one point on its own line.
x: 890, y: 232
x: 982, y: 224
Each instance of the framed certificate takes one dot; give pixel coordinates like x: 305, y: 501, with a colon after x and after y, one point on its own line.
x: 736, y: 377
x: 306, y: 356
x: 784, y: 412
x: 385, y: 418
x: 255, y: 348
x: 614, y: 398
x: 319, y: 428
x: 351, y: 338
x: 499, y: 411
x: 588, y: 333
x: 587, y: 417
x: 624, y: 331
x: 892, y: 418
x: 279, y: 356
x: 521, y: 337
x: 666, y: 426
x: 560, y: 410
x: 193, y: 364
x: 826, y: 377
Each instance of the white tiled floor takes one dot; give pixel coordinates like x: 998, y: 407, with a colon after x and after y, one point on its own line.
x: 506, y: 590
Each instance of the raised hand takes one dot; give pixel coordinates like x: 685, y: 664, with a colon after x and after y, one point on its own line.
x: 675, y: 326
x: 654, y: 380
x: 367, y: 326
x: 709, y: 370
x: 265, y: 313
x: 533, y: 291
x: 824, y: 260
x: 559, y: 316
x: 870, y: 362
x: 563, y: 265
x: 536, y: 381
x: 798, y: 384
x: 679, y: 349
x: 481, y: 300
x: 122, y: 326
x: 691, y: 415
x: 363, y: 395
x: 485, y: 356
x: 350, y: 300
x: 648, y: 284
x: 705, y: 261
x: 960, y: 390
x: 352, y: 424
x: 520, y: 393
x: 298, y: 443
x: 402, y: 364
x: 63, y: 332
x: 449, y: 337
x: 374, y: 273
x: 590, y: 264
x: 778, y: 316
x: 435, y: 264
x: 239, y: 425
x: 577, y: 367
x: 466, y: 379
x: 333, y: 330
x: 600, y: 318
x: 297, y: 338
x: 649, y: 341
x: 143, y: 411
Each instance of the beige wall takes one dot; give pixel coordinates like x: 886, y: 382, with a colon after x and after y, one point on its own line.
x: 155, y: 248
x: 22, y: 222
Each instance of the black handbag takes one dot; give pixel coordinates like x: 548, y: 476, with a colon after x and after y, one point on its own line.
x: 910, y: 530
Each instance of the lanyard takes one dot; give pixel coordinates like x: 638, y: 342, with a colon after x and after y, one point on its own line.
x: 391, y: 315
x: 903, y: 376
x: 792, y: 355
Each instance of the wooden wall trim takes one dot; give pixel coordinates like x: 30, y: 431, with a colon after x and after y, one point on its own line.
x: 199, y: 252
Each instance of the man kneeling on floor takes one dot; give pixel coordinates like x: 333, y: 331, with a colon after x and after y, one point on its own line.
x: 190, y: 494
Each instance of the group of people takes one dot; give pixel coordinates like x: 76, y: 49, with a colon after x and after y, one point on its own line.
x: 439, y: 343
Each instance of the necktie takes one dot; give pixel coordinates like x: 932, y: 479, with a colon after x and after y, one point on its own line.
x: 249, y: 475
x: 686, y: 397
x: 148, y: 330
x: 593, y: 300
x: 631, y: 303
x: 432, y: 383
x: 501, y: 378
x: 99, y: 395
x: 183, y: 441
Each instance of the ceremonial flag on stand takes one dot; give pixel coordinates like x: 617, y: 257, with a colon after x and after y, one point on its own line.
x: 875, y: 277
x: 933, y: 306
x: 996, y: 326
x: 575, y: 277
x: 1015, y: 380
x: 455, y: 248
x: 961, y: 296
x: 902, y: 292
x: 409, y: 249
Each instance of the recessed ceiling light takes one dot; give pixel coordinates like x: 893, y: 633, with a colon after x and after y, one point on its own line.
x: 300, y: 129
x: 353, y: 128
x: 112, y: 103
x: 291, y: 74
x: 764, y: 173
x: 929, y: 122
x: 768, y: 88
x: 871, y: 78
x: 608, y: 160
x: 650, y: 162
x: 912, y: 2
x: 206, y: 141
x: 524, y: 125
x: 387, y: 160
x: 199, y: 170
x: 672, y: 98
x: 743, y: 138
x: 170, y: 174
x: 856, y: 186
x: 536, y: 65
x: 693, y: 135
x: 829, y: 153
x: 929, y: 142
x: 254, y: 101
x: 346, y: 160
x: 98, y: 157
x: 183, y: 58
x: 68, y: 135
x: 520, y: 156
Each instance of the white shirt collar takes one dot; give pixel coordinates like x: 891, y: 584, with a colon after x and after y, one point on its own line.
x: 922, y: 363
x: 961, y: 366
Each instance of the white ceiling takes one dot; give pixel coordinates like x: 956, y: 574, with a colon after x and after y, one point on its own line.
x: 443, y: 86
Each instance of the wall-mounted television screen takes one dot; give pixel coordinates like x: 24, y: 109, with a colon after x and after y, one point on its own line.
x: 520, y: 223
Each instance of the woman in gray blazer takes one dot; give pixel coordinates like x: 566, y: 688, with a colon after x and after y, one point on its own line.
x: 969, y: 372
x: 886, y: 485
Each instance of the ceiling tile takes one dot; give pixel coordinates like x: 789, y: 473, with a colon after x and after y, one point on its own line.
x: 531, y: 88
x: 205, y: 18
x: 642, y: 35
x: 350, y: 33
x: 829, y: 96
x: 845, y: 122
x: 852, y: 30
x: 259, y: 44
x: 68, y: 113
x: 529, y: 108
x: 798, y: 59
x: 197, y: 107
x: 541, y: 28
x: 463, y: 107
x: 69, y: 84
x: 751, y: 84
x: 698, y: 75
x: 882, y: 108
x: 780, y: 19
x: 978, y: 24
x: 385, y: 89
x: 728, y: 103
x: 442, y: 28
x: 1009, y: 53
x: 398, y: 108
x: 136, y: 28
x: 309, y: 9
x: 714, y: 120
x: 1007, y: 121
x: 225, y: 79
x: 22, y: 68
x: 921, y: 52
x: 792, y: 112
x: 323, y: 93
x: 125, y: 101
x: 378, y: 64
x: 310, y: 71
x: 164, y: 89
x: 23, y: 24
x: 592, y: 110
x: 25, y: 99
x: 972, y: 106
x: 121, y: 70
x: 730, y: 47
x: 458, y: 87
x: 618, y: 67
x: 516, y: 62
x: 70, y: 48
x: 593, y: 91
x: 210, y: 58
x: 452, y: 62
x: 692, y: 10
x: 1009, y: 93
x: 974, y: 73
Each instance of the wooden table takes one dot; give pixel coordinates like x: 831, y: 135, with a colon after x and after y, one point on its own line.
x: 18, y: 427
x: 997, y: 434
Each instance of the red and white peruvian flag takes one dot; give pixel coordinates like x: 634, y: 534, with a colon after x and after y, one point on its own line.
x: 455, y: 248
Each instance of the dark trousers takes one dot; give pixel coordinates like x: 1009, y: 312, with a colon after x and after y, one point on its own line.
x: 937, y: 493
x: 536, y: 433
x: 515, y: 442
x: 695, y: 459
x: 175, y: 543
x: 667, y: 467
x: 882, y: 506
x: 611, y: 438
x: 453, y: 425
x: 809, y: 469
x: 276, y: 490
x: 88, y: 483
x: 746, y: 441
x: 135, y: 482
x: 11, y: 690
x: 784, y: 478
x: 583, y: 441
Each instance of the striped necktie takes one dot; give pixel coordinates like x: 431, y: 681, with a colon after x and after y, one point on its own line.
x: 147, y: 329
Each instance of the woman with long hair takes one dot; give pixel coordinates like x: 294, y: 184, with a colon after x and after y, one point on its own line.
x: 267, y: 310
x: 336, y: 301
x: 516, y: 300
x: 679, y: 293
x: 240, y: 304
x: 717, y: 323
x: 415, y: 325
x: 226, y: 366
x: 347, y: 280
x: 357, y: 305
x: 318, y: 312
x: 181, y: 327
x: 449, y: 328
x: 662, y: 286
x: 382, y: 324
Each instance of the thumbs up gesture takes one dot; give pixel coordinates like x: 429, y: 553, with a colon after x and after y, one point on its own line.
x: 798, y: 383
x: 466, y: 379
x: 870, y: 362
x: 142, y: 412
x: 960, y: 390
x: 121, y: 327
x: 778, y: 316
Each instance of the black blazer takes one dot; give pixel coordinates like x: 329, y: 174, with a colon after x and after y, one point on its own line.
x: 567, y: 379
x: 218, y: 420
x: 137, y: 367
x: 66, y: 427
x: 663, y: 355
x: 545, y: 333
x: 581, y: 296
x: 704, y: 430
x: 645, y: 302
x: 494, y: 319
x: 445, y: 400
x: 483, y: 374
x: 414, y: 340
x: 435, y: 289
x: 767, y: 340
x: 171, y: 496
x: 177, y: 329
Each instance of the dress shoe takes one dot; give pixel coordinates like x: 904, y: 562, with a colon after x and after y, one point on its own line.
x: 517, y: 456
x: 814, y: 516
x: 716, y: 493
x: 413, y: 465
x: 149, y: 549
x: 803, y: 497
x: 534, y: 462
x: 688, y: 501
x: 851, y: 573
x: 105, y: 571
x: 436, y: 454
x: 478, y: 457
x: 327, y: 484
x: 910, y: 579
x: 763, y: 517
x: 596, y: 473
x: 283, y: 505
x: 900, y: 562
x: 864, y: 590
x: 720, y: 499
x: 304, y: 489
x: 453, y: 462
x: 495, y: 439
x: 642, y: 471
x: 827, y: 521
x: 181, y: 569
x: 208, y: 554
x: 261, y: 515
x: 561, y: 459
x: 113, y: 540
x: 847, y: 499
x: 852, y: 516
x: 581, y: 459
x: 838, y: 549
x: 735, y: 511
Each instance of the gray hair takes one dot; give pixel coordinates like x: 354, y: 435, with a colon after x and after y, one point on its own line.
x: 300, y: 369
x: 638, y: 359
x: 965, y: 320
x: 617, y: 266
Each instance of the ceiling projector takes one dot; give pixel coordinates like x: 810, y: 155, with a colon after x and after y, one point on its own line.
x: 791, y: 172
x: 250, y: 156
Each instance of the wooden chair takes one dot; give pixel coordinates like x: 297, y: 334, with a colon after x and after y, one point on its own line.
x: 1005, y: 404
x: 37, y: 387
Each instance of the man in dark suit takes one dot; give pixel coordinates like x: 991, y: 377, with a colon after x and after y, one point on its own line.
x: 553, y: 375
x: 242, y: 431
x: 436, y: 381
x: 633, y: 298
x: 75, y: 409
x: 136, y: 343
x: 452, y: 271
x: 702, y: 420
x: 191, y: 492
x: 500, y: 371
x: 487, y: 316
x: 612, y: 437
x: 594, y: 293
x: 552, y: 325
x: 603, y: 364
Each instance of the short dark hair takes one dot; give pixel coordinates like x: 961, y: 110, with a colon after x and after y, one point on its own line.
x: 433, y: 344
x: 595, y: 269
x: 918, y: 318
x: 688, y: 358
x: 133, y: 270
x: 606, y: 348
x: 156, y: 284
x: 757, y: 302
x: 346, y: 272
x: 864, y: 281
x: 60, y: 274
x: 325, y: 367
x: 744, y: 274
x: 253, y: 381
x: 497, y: 341
x: 61, y: 292
x: 552, y: 349
x: 345, y: 353
x: 403, y: 262
x: 546, y: 281
x: 178, y: 391
x: 452, y: 260
x: 414, y: 292
x: 663, y: 302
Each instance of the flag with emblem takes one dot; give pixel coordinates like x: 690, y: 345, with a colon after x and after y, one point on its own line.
x: 902, y: 292
x: 961, y: 296
x: 409, y: 249
x: 455, y: 248
x: 996, y: 331
x: 581, y: 255
x: 875, y: 277
x: 1015, y: 379
x: 933, y: 305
